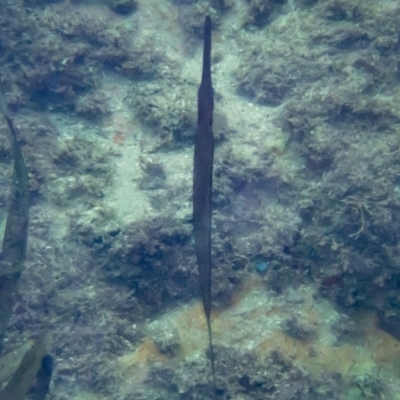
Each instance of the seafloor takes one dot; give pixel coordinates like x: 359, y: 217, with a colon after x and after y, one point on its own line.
x: 306, y: 246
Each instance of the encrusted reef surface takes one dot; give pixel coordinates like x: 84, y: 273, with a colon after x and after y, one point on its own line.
x: 306, y: 251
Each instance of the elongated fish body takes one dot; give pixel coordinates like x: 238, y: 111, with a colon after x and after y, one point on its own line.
x: 16, y: 232
x: 28, y: 368
x: 202, y: 181
x: 43, y: 378
x: 35, y: 361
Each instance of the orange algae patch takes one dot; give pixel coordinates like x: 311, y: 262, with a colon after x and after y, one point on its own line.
x: 191, y: 317
x: 372, y: 347
x: 147, y: 351
x: 252, y: 283
x: 287, y: 345
x: 342, y: 359
x: 368, y: 348
x: 384, y: 348
x: 318, y: 356
x: 119, y: 138
x: 192, y: 328
x: 120, y: 127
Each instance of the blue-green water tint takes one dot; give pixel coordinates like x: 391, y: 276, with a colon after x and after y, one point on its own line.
x: 306, y: 194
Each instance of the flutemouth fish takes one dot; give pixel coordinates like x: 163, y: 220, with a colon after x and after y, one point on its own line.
x: 202, y: 182
x: 19, y: 383
x: 16, y: 232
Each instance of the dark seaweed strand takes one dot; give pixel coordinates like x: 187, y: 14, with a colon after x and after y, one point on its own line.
x: 16, y: 231
x: 202, y: 183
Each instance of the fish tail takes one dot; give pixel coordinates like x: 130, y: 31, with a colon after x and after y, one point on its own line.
x: 211, y: 356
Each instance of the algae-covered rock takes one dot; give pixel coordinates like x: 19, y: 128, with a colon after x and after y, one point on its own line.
x: 169, y: 112
x: 165, y: 336
x: 123, y: 6
x: 83, y: 169
x: 93, y: 105
x: 191, y: 17
x: 241, y: 372
x: 260, y: 12
x: 222, y: 5
x: 172, y: 123
x: 154, y: 176
x: 299, y: 329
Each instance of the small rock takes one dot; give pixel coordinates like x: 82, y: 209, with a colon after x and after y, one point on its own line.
x: 165, y: 336
x: 123, y: 6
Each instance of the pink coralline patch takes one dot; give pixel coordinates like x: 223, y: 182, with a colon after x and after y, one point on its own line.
x: 120, y: 126
x: 119, y: 138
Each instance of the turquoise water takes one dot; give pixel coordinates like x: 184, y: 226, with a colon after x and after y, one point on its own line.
x: 306, y: 204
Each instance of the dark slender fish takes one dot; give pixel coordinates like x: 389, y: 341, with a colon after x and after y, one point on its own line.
x: 35, y: 361
x: 43, y: 378
x: 16, y: 231
x: 202, y: 182
x: 32, y: 362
